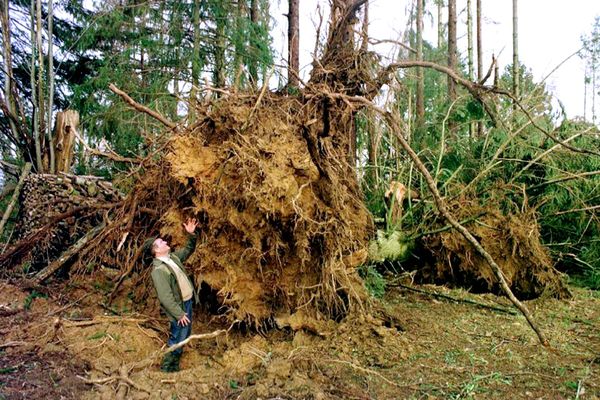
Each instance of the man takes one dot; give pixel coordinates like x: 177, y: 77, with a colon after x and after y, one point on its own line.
x: 174, y: 289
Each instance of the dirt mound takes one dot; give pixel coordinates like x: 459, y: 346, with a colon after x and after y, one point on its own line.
x: 513, y: 241
x: 282, y: 221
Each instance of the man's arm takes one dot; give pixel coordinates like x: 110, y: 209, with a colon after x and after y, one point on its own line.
x: 165, y: 296
x: 184, y: 252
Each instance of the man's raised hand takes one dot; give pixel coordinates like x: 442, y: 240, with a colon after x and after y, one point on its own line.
x: 190, y: 225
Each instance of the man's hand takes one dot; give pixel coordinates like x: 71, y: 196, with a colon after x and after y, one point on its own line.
x: 183, y: 321
x: 190, y: 226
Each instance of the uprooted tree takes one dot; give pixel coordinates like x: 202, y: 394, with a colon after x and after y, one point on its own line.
x: 271, y: 179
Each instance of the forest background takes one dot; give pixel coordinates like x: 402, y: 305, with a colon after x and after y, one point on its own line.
x: 524, y: 153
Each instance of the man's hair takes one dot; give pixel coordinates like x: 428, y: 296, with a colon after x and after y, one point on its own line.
x: 153, y: 248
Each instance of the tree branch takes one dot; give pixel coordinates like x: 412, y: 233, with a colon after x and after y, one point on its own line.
x: 142, y: 108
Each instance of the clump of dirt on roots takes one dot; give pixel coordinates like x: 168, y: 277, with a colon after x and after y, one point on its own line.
x: 513, y: 241
x: 282, y: 222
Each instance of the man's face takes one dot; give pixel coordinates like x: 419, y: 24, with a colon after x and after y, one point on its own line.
x: 160, y: 246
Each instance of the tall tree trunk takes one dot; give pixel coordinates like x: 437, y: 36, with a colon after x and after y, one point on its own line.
x: 253, y: 64
x: 479, y: 59
x: 34, y: 96
x: 195, y: 61
x: 364, y: 46
x: 452, y: 47
x: 240, y: 43
x: 585, y: 87
x: 420, y: 100
x: 470, y: 51
x: 293, y: 42
x: 515, y: 70
x: 440, y: 24
x: 219, y: 72
x: 52, y: 168
x: 470, y: 40
x: 9, y: 82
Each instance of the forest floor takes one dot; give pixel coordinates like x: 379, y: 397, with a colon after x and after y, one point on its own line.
x: 50, y: 346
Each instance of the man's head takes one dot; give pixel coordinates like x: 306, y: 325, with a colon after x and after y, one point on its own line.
x: 159, y: 248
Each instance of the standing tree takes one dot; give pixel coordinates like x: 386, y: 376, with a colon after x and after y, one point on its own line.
x: 420, y: 101
x: 293, y: 42
x: 452, y: 47
x: 515, y: 66
x: 591, y: 56
x: 479, y: 58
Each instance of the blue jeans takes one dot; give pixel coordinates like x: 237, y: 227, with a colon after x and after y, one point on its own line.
x: 180, y: 333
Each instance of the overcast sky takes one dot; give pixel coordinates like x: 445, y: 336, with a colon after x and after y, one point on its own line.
x: 549, y: 32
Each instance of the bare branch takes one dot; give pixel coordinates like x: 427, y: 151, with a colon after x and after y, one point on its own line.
x: 142, y: 108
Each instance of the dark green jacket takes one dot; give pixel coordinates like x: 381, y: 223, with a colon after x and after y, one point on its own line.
x: 166, y: 284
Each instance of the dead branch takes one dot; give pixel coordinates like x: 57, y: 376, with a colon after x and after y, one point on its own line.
x: 66, y: 256
x: 142, y: 108
x: 15, y: 196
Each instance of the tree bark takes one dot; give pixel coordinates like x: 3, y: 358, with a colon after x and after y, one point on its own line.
x: 15, y: 196
x: 195, y: 61
x: 364, y: 46
x: 515, y: 53
x: 7, y: 66
x: 253, y: 64
x: 41, y: 103
x: 470, y: 52
x: 452, y: 62
x: 219, y: 71
x: 420, y: 100
x: 67, y: 124
x: 293, y: 42
x: 479, y: 58
x: 440, y: 24
x: 34, y: 100
x: 52, y: 168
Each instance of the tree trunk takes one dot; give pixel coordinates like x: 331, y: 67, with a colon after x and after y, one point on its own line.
x: 452, y: 47
x: 516, y: 68
x: 364, y: 46
x: 219, y: 71
x: 470, y: 51
x: 253, y: 64
x: 34, y: 100
x: 420, y: 100
x: 67, y: 124
x: 195, y: 61
x: 15, y: 196
x: 293, y: 42
x: 479, y: 59
x: 440, y: 24
x: 9, y: 83
x: 41, y: 105
x: 52, y: 168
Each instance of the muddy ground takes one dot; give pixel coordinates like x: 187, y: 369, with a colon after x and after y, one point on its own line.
x: 53, y: 347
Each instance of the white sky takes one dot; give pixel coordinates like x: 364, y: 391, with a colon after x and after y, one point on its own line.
x: 549, y: 32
